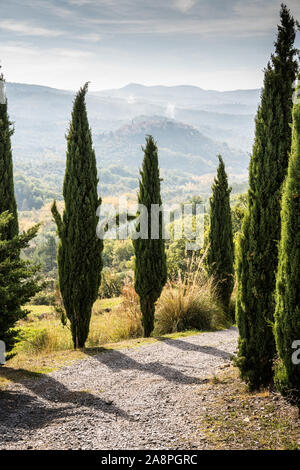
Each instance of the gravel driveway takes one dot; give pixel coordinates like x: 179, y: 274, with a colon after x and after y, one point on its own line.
x: 142, y: 398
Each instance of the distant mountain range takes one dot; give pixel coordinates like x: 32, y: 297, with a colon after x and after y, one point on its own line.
x: 236, y: 102
x: 191, y: 126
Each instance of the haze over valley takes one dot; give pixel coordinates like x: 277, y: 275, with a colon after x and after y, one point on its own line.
x: 191, y: 126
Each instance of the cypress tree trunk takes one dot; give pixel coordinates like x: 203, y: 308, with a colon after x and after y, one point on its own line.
x: 257, y: 254
x: 7, y: 194
x: 287, y: 314
x: 150, y: 257
x: 220, y: 256
x: 79, y: 252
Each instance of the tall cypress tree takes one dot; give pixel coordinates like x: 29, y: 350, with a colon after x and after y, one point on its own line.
x: 7, y: 194
x: 17, y: 283
x: 287, y: 314
x: 150, y: 257
x: 257, y: 254
x: 220, y: 256
x: 80, y: 251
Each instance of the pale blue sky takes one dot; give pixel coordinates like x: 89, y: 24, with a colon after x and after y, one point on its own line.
x: 214, y: 44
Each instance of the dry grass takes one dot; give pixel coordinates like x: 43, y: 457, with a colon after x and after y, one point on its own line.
x: 186, y: 304
x: 234, y: 418
x: 43, y: 332
x: 121, y: 323
x: 189, y: 303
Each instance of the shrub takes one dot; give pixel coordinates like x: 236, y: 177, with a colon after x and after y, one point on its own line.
x: 121, y: 323
x: 51, y: 336
x: 111, y: 284
x: 189, y: 303
x: 43, y: 298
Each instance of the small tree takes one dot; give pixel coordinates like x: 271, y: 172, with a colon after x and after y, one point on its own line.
x: 17, y: 280
x: 220, y: 256
x: 79, y: 250
x: 150, y: 257
x: 7, y: 194
x: 287, y: 314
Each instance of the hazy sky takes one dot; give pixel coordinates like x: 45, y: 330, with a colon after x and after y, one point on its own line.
x: 214, y: 44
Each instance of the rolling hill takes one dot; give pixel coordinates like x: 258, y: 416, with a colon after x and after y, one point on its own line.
x: 191, y: 127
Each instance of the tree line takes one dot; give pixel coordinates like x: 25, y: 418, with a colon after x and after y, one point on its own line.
x: 265, y: 263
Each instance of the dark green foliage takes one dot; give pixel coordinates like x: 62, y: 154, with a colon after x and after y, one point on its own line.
x: 17, y: 282
x: 177, y: 261
x: 32, y: 193
x: 45, y: 254
x: 287, y: 314
x: 112, y: 284
x: 7, y: 195
x: 220, y: 256
x: 257, y: 253
x: 150, y: 257
x: 79, y: 251
x: 238, y: 212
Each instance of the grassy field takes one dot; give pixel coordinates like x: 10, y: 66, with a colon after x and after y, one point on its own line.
x: 42, y: 331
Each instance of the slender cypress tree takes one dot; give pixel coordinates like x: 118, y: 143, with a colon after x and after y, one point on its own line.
x: 7, y: 194
x: 80, y: 251
x: 150, y: 257
x: 287, y: 314
x: 17, y: 280
x: 17, y: 283
x: 257, y: 254
x: 220, y: 256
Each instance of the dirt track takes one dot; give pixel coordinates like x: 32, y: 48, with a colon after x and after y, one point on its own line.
x: 142, y: 398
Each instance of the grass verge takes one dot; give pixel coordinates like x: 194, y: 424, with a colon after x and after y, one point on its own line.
x: 234, y: 418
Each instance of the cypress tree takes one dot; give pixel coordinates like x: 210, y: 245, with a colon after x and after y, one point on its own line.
x: 257, y: 254
x: 287, y: 314
x: 220, y: 256
x: 7, y: 194
x: 150, y: 257
x: 17, y: 280
x: 79, y: 251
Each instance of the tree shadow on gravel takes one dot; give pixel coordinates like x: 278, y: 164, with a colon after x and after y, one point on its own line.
x: 186, y: 346
x: 45, y: 400
x: 116, y: 361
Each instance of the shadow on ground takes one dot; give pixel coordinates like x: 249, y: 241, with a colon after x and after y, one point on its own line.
x: 187, y: 346
x: 45, y: 399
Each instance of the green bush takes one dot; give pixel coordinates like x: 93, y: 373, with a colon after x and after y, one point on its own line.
x: 43, y: 298
x: 111, y: 284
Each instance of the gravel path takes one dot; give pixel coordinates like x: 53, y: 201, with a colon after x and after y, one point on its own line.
x: 142, y: 398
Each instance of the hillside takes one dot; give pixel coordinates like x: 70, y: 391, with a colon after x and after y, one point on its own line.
x: 181, y: 146
x: 186, y: 122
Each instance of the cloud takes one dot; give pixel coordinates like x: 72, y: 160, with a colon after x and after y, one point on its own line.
x: 170, y: 110
x: 27, y: 29
x: 111, y: 42
x: 184, y: 5
x: 90, y: 37
x: 181, y: 17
